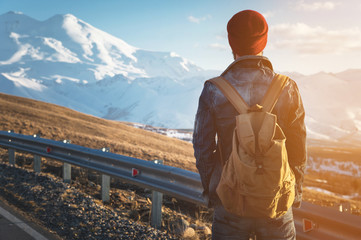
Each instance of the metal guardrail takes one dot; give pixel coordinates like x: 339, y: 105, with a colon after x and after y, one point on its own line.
x: 174, y: 181
x: 315, y: 222
x: 312, y: 221
x: 160, y: 178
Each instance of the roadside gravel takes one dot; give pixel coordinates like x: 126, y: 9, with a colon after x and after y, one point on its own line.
x: 66, y: 211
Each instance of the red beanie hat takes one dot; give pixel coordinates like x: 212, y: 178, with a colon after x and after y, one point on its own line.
x: 247, y: 33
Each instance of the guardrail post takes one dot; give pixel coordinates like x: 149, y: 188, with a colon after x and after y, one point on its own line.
x: 37, y: 159
x: 11, y: 152
x: 37, y: 163
x: 66, y: 168
x: 157, y: 201
x: 11, y: 156
x: 105, y: 182
x: 105, y: 188
x: 67, y: 172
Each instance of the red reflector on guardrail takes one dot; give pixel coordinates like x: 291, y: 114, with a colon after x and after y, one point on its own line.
x: 308, y: 225
x: 48, y: 149
x: 135, y: 172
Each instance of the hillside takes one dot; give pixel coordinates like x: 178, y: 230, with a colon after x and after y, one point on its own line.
x: 333, y: 172
x: 28, y: 117
x: 128, y: 208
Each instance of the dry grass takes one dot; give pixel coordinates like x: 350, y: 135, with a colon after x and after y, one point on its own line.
x: 28, y: 117
x: 341, y: 158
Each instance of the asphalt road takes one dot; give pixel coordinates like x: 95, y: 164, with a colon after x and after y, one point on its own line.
x: 14, y: 227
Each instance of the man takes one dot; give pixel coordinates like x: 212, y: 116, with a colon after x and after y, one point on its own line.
x: 250, y: 74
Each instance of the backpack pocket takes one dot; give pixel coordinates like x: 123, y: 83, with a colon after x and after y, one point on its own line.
x: 229, y: 192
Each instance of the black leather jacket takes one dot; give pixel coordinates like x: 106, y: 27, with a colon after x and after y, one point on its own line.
x: 251, y: 76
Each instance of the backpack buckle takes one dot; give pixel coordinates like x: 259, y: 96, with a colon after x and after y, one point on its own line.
x: 255, y: 108
x: 259, y: 164
x: 260, y: 169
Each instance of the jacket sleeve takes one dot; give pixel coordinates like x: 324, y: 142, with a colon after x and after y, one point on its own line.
x: 204, y: 143
x: 296, y: 141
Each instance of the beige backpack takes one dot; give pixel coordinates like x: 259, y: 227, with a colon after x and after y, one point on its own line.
x: 257, y: 180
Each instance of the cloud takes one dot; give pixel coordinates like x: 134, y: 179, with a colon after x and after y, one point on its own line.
x: 198, y: 20
x: 268, y: 14
x: 308, y: 40
x: 218, y: 46
x: 222, y: 36
x: 314, y: 6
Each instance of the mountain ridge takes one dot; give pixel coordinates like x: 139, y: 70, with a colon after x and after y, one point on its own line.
x: 66, y: 61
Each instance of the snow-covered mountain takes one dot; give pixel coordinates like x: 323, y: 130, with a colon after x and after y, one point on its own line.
x: 333, y: 105
x: 66, y: 61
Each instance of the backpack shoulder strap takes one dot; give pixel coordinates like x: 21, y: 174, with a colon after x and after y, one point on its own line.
x: 230, y: 93
x: 273, y: 92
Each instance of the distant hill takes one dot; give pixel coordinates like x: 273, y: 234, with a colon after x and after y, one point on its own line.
x: 333, y: 105
x: 28, y: 117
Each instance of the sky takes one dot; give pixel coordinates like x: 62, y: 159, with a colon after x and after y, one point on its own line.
x: 305, y: 36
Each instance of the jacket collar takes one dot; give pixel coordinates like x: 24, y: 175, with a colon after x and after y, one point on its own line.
x: 250, y: 61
